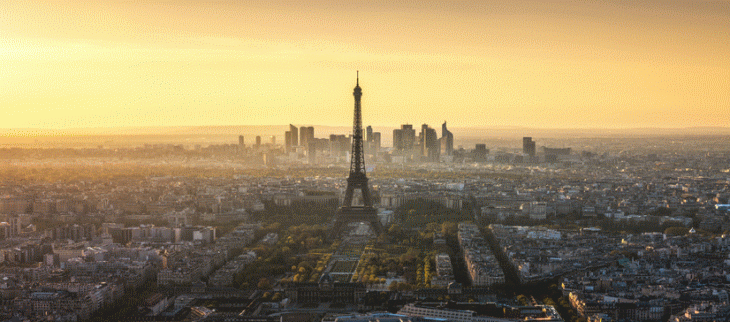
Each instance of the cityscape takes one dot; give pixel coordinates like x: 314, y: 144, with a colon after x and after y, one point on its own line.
x: 616, y: 231
x: 204, y: 161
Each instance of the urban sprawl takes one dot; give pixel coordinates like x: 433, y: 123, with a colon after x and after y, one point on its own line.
x: 604, y: 229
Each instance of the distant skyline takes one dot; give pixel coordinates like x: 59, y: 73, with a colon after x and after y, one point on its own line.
x: 520, y: 63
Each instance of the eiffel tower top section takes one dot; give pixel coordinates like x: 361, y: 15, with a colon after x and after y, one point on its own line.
x: 357, y: 162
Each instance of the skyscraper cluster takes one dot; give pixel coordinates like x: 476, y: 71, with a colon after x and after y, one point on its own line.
x: 409, y: 145
x: 295, y: 137
x: 426, y: 146
x: 429, y: 144
x: 302, y: 141
x: 372, y: 141
x: 291, y: 138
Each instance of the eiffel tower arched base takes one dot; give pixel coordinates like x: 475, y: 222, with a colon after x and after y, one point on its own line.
x: 347, y: 215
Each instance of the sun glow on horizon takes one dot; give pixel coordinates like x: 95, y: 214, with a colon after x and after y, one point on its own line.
x: 489, y: 63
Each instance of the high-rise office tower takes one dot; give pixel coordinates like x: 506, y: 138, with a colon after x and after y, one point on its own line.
x: 422, y: 139
x: 258, y: 141
x: 429, y: 144
x: 409, y: 136
x: 433, y: 147
x: 447, y: 140
x: 404, y: 137
x: 273, y: 140
x: 528, y: 146
x: 294, y: 135
x: 339, y: 144
x: 349, y: 212
x: 306, y: 135
x: 240, y: 141
x: 480, y: 153
x: 303, y: 136
x: 287, y: 141
x: 375, y: 143
x: 398, y: 140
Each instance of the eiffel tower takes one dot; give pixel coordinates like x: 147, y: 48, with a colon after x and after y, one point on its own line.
x: 349, y: 213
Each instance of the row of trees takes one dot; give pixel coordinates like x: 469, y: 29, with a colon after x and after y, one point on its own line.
x: 425, y: 272
x: 293, y: 253
x: 409, y: 253
x: 308, y: 270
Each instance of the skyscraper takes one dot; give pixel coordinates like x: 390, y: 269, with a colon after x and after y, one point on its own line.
x: 303, y: 136
x: 258, y: 141
x: 528, y: 146
x: 429, y: 144
x: 310, y: 133
x: 398, y: 140
x: 294, y: 135
x: 422, y: 139
x: 447, y: 140
x: 287, y: 141
x: 409, y: 136
x: 240, y: 141
x: 306, y: 134
x: 480, y: 153
x: 372, y: 141
x: 339, y: 144
x: 404, y: 137
x: 375, y: 143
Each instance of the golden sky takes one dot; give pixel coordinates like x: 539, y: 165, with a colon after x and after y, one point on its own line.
x: 548, y: 64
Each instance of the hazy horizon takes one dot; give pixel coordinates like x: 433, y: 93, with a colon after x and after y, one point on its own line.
x: 207, y: 135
